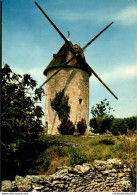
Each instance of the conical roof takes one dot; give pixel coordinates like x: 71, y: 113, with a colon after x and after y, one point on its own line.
x: 63, y: 55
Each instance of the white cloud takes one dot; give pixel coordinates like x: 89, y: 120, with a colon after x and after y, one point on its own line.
x: 121, y: 72
x: 127, y: 16
x: 36, y: 73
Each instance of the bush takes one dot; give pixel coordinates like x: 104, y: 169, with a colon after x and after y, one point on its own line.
x: 82, y: 126
x: 101, y: 124
x: 66, y: 127
x: 119, y: 126
x: 131, y: 122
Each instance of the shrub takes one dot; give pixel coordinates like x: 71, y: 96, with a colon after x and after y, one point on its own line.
x: 131, y: 122
x: 93, y: 124
x: 82, y: 126
x: 101, y: 124
x: 119, y: 126
x: 66, y: 127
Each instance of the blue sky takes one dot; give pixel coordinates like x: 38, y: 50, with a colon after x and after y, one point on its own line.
x: 29, y: 41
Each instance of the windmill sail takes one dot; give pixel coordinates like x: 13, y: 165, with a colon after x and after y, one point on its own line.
x: 77, y: 54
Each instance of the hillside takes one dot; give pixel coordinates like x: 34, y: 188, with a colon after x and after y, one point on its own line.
x: 73, y: 150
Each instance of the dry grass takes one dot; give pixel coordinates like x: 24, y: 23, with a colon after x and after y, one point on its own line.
x: 101, y: 147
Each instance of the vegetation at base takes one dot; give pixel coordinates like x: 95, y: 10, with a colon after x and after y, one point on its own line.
x: 81, y: 126
x: 21, y: 122
x: 66, y: 127
x: 104, y: 121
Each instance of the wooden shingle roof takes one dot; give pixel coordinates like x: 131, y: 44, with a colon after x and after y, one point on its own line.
x: 63, y: 55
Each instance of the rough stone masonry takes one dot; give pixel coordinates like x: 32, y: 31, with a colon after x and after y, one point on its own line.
x: 74, y: 80
x: 99, y: 176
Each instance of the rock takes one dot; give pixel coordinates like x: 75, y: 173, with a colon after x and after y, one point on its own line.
x: 46, y: 189
x: 33, y: 178
x: 105, y: 172
x: 61, y: 185
x: 99, y: 165
x: 37, y: 189
x: 34, y: 185
x: 45, y: 179
x: 82, y: 169
x: 60, y: 173
x: 127, y: 169
x: 114, y: 161
x: 109, y: 166
x: 7, y: 186
x: 23, y: 184
x: 79, y: 189
x: 99, y: 162
x: 97, y: 176
x: 121, y: 174
x: 125, y: 183
x: 113, y: 171
x: 73, y: 181
x: 14, y: 187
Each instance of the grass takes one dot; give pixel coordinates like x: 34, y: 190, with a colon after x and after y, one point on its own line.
x: 100, y: 147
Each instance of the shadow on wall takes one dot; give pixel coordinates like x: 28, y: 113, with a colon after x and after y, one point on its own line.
x: 72, y: 75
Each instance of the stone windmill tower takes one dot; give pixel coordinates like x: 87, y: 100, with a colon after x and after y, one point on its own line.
x: 69, y: 70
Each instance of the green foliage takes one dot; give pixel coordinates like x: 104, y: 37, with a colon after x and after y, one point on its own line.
x: 102, y: 109
x: 60, y: 105
x: 62, y: 108
x: 102, y: 117
x: 66, y: 127
x: 81, y: 126
x: 131, y: 122
x: 104, y: 121
x: 77, y: 157
x: 119, y: 126
x: 101, y: 124
x: 21, y: 122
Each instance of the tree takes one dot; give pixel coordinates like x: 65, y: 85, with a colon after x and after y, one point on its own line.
x: 61, y: 106
x: 102, y: 117
x: 102, y: 109
x: 21, y: 121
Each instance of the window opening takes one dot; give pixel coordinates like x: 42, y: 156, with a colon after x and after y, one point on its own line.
x: 80, y: 101
x: 46, y: 124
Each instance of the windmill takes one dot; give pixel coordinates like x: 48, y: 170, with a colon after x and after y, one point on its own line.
x: 69, y: 70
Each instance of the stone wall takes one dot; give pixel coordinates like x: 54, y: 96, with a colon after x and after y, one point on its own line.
x: 110, y: 175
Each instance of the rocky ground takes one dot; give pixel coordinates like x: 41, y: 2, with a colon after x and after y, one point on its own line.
x: 110, y: 175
